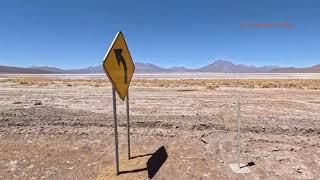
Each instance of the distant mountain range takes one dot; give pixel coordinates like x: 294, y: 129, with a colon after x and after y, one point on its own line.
x: 219, y: 66
x: 312, y: 69
x: 13, y: 70
x: 222, y: 66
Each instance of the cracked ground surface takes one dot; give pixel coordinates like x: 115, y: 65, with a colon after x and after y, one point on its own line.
x: 69, y: 135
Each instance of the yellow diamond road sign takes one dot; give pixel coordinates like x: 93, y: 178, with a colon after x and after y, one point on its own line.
x: 118, y: 65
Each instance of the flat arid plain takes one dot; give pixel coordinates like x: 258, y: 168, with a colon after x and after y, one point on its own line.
x: 61, y: 126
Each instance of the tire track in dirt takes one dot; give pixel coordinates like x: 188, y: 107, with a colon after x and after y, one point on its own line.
x: 55, y: 119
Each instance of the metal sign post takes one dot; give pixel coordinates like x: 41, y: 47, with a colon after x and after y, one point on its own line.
x: 115, y: 128
x: 119, y: 68
x: 238, y: 168
x: 238, y: 139
x: 128, y: 125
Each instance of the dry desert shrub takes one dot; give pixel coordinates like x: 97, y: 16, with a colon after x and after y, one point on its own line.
x: 23, y: 82
x: 211, y: 86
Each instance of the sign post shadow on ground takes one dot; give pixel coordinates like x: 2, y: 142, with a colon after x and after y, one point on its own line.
x: 154, y: 163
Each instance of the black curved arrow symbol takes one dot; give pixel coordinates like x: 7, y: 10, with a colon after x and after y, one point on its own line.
x: 120, y: 59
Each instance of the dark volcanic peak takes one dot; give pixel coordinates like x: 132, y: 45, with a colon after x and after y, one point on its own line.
x: 18, y: 70
x: 88, y: 70
x: 179, y: 68
x: 223, y: 66
x: 147, y: 68
x: 316, y: 66
x: 48, y: 68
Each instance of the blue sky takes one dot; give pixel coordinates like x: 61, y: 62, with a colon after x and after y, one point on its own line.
x: 75, y: 33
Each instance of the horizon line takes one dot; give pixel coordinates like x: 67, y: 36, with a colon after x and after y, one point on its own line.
x: 165, y: 67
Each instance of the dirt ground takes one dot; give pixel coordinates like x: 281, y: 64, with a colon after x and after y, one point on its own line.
x: 52, y: 128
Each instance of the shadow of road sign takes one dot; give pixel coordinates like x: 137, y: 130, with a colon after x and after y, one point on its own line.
x: 154, y: 163
x: 138, y: 156
x: 156, y: 160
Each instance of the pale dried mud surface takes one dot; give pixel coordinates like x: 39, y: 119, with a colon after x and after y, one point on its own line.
x: 63, y: 129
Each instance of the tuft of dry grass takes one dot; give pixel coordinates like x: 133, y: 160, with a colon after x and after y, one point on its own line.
x: 211, y: 86
x: 23, y: 82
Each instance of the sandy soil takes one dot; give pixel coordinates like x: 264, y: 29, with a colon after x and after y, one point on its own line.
x: 63, y: 128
